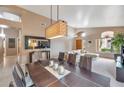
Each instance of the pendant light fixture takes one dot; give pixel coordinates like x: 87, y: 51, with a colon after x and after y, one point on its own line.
x: 57, y: 29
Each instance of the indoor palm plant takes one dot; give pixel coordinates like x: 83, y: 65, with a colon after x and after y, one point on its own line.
x: 117, y: 42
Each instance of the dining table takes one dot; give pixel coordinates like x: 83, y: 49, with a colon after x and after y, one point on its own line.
x: 77, y: 77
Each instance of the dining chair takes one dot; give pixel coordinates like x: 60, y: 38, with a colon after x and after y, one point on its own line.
x: 85, y: 62
x: 71, y: 59
x: 17, y: 79
x: 61, y: 56
x: 11, y: 84
x: 25, y: 78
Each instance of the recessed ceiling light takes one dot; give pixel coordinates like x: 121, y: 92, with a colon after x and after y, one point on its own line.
x: 83, y: 34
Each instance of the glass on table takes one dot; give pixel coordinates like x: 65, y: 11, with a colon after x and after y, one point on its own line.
x: 61, y: 70
x: 56, y: 65
x: 51, y: 63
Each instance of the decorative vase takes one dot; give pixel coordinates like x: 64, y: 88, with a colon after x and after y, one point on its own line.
x: 51, y: 63
x: 61, y: 70
x: 56, y: 65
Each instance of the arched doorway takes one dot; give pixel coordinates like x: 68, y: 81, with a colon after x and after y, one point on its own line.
x: 105, y: 41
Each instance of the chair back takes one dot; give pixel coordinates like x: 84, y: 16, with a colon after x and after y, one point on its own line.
x: 71, y: 59
x: 20, y: 69
x: 85, y: 62
x: 21, y: 72
x: 17, y: 79
x: 61, y: 56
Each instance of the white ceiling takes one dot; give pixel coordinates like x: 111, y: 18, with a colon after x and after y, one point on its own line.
x: 85, y: 15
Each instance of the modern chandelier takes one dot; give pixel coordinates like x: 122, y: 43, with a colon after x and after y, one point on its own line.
x: 57, y: 29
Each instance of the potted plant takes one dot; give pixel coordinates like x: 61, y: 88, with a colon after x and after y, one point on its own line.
x: 117, y: 42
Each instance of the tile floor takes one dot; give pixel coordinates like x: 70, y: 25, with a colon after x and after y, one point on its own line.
x: 102, y: 66
x: 107, y: 67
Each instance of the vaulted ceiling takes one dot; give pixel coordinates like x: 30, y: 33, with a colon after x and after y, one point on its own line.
x: 80, y: 16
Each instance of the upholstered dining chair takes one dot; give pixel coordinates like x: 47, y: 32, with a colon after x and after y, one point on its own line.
x: 11, y: 84
x: 17, y: 79
x: 71, y: 59
x: 25, y: 78
x: 61, y: 56
x: 85, y: 62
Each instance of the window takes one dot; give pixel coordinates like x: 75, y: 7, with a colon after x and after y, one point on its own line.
x: 10, y: 16
x: 105, y: 41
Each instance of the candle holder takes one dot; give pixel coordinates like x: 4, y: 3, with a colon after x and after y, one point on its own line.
x: 61, y: 70
x: 56, y: 65
x: 51, y: 63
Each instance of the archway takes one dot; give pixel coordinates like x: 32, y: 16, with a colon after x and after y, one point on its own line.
x: 105, y: 41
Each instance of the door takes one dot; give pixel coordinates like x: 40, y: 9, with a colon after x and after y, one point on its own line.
x: 78, y: 44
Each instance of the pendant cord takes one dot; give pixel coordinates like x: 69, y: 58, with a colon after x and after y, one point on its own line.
x: 57, y: 12
x: 51, y: 14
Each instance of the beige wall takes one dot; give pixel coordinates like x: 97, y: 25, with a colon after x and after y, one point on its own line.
x: 1, y: 50
x: 62, y: 44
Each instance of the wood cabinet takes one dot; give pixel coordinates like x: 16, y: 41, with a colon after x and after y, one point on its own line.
x: 38, y: 56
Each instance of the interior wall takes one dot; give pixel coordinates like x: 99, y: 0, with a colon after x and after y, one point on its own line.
x: 1, y: 50
x: 57, y: 45
x: 63, y: 44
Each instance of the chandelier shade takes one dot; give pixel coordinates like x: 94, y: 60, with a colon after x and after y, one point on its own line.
x: 56, y: 30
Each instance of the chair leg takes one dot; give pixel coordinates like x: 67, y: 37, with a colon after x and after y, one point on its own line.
x: 11, y: 84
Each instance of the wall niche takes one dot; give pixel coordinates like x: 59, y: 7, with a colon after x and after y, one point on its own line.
x: 33, y: 42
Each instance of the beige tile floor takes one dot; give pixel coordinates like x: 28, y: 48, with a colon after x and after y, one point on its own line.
x: 103, y: 66
x: 6, y: 71
x: 107, y: 67
x: 6, y: 68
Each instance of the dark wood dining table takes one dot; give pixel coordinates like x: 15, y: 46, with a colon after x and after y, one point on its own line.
x: 77, y: 78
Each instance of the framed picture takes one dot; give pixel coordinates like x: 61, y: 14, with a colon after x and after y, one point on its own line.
x: 11, y: 43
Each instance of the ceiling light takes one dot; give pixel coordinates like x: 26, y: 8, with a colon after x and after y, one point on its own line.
x: 56, y: 37
x: 58, y: 29
x: 83, y: 34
